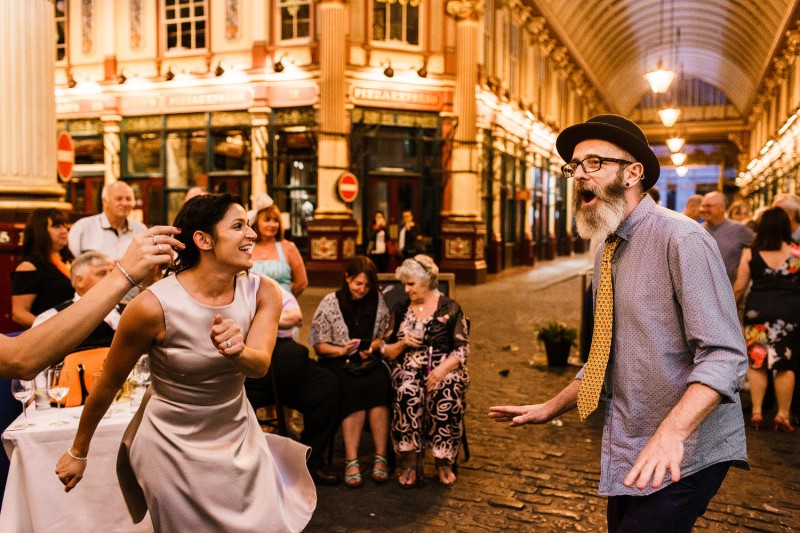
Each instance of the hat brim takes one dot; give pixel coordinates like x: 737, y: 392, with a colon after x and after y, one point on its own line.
x: 569, y: 138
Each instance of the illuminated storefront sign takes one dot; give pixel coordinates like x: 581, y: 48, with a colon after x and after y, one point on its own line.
x: 383, y: 97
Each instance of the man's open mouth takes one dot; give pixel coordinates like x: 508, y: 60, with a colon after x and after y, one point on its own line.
x: 587, y: 196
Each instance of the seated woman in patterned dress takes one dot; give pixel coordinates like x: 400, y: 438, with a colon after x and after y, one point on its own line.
x: 428, y: 346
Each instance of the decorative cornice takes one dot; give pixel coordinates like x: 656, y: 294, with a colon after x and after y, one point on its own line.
x: 465, y: 9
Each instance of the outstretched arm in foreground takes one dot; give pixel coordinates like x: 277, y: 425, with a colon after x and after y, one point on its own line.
x: 540, y: 413
x: 664, y: 450
x: 37, y: 348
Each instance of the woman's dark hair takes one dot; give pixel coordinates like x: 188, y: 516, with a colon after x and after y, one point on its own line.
x: 361, y: 264
x: 269, y: 212
x: 773, y: 230
x: 201, y: 213
x: 36, y: 240
x: 367, y: 307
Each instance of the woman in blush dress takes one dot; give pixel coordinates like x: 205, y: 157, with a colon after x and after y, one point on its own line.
x: 197, y: 456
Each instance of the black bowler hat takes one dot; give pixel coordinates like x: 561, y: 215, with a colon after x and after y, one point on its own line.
x: 616, y: 130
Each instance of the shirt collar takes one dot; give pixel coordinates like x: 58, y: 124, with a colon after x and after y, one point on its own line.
x: 106, y: 224
x: 645, y: 206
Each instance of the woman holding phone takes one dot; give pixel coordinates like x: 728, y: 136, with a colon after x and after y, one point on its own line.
x: 348, y: 327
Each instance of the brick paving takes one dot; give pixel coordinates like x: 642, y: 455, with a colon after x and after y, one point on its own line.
x: 539, y: 478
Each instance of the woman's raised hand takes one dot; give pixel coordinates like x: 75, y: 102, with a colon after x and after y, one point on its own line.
x: 148, y: 249
x: 227, y: 336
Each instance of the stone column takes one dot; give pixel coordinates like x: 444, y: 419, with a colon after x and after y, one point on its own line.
x: 28, y: 107
x: 111, y: 145
x: 259, y: 120
x: 463, y: 233
x: 332, y: 233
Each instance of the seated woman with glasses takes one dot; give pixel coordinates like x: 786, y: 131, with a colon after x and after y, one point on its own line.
x: 428, y: 346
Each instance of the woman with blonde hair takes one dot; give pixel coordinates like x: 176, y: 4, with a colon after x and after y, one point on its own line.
x: 274, y: 256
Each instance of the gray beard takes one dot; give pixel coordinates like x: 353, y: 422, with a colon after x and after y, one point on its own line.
x: 604, y: 218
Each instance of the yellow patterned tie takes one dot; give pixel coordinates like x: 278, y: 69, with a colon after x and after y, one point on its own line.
x: 595, y: 372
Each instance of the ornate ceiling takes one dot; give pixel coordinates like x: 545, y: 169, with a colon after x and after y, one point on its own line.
x: 727, y: 43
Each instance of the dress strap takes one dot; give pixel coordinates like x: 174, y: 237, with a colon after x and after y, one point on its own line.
x: 281, y: 255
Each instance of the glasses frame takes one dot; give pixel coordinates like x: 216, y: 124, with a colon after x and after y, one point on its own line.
x: 569, y: 170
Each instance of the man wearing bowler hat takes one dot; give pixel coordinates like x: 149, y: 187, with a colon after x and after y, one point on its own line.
x: 667, y: 352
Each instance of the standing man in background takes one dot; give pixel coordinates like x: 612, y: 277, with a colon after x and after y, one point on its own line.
x: 111, y: 231
x: 666, y: 347
x: 732, y: 237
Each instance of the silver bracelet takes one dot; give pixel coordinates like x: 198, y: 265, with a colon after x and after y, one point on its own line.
x: 69, y: 452
x: 130, y: 278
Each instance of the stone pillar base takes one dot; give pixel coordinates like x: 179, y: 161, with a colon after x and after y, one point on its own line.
x: 331, y: 243
x: 463, y: 245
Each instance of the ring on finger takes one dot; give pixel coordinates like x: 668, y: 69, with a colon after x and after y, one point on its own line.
x: 228, y: 343
x: 159, y: 248
x: 155, y: 239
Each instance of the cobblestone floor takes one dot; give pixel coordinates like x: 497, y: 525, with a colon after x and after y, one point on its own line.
x: 541, y: 478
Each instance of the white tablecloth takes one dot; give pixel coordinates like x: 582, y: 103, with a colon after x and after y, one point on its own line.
x: 35, y: 500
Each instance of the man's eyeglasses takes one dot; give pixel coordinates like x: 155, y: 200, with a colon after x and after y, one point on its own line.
x: 593, y: 163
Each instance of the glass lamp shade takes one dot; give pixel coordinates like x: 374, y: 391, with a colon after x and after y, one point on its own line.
x: 681, y: 170
x: 659, y: 79
x: 669, y: 116
x: 675, y: 144
x: 678, y: 159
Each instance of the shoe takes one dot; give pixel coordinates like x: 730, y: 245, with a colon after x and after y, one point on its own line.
x: 782, y: 424
x: 755, y: 421
x: 352, y: 480
x: 323, y: 475
x: 407, y: 477
x: 446, y: 475
x: 380, y: 469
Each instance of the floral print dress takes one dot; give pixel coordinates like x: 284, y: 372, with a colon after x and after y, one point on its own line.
x: 772, y: 312
x: 436, y: 416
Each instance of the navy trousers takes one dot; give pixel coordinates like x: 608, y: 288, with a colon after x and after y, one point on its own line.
x: 673, y: 509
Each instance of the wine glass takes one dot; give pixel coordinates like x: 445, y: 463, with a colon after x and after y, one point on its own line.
x: 57, y: 388
x: 141, y: 372
x: 22, y: 390
x: 418, y: 331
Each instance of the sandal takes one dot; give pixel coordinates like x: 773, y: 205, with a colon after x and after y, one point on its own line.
x: 352, y: 480
x: 782, y: 424
x: 755, y: 421
x: 410, y: 475
x: 380, y: 469
x: 446, y: 475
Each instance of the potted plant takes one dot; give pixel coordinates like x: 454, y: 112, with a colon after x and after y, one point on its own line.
x: 558, y: 338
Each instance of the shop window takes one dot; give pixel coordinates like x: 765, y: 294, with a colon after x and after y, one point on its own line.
x: 185, y: 23
x: 89, y: 150
x: 61, y: 29
x: 396, y: 21
x: 295, y: 19
x: 231, y: 150
x: 143, y: 153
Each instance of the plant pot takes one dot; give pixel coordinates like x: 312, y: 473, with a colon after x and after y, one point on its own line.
x: 557, y: 353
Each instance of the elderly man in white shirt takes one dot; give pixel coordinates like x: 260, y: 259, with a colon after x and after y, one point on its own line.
x: 86, y: 272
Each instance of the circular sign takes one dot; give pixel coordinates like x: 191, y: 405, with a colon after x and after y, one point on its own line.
x: 347, y: 187
x: 65, y: 155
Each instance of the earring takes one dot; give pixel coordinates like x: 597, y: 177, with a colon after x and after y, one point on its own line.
x: 627, y: 184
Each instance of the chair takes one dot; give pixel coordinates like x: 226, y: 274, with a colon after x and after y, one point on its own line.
x: 92, y: 361
x: 279, y: 420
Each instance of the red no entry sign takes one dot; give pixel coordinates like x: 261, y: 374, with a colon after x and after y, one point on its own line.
x: 347, y: 187
x: 65, y: 155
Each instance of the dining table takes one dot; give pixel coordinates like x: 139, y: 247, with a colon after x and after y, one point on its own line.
x: 35, y: 500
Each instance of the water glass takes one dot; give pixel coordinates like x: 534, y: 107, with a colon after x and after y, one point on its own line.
x: 57, y: 388
x: 22, y: 390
